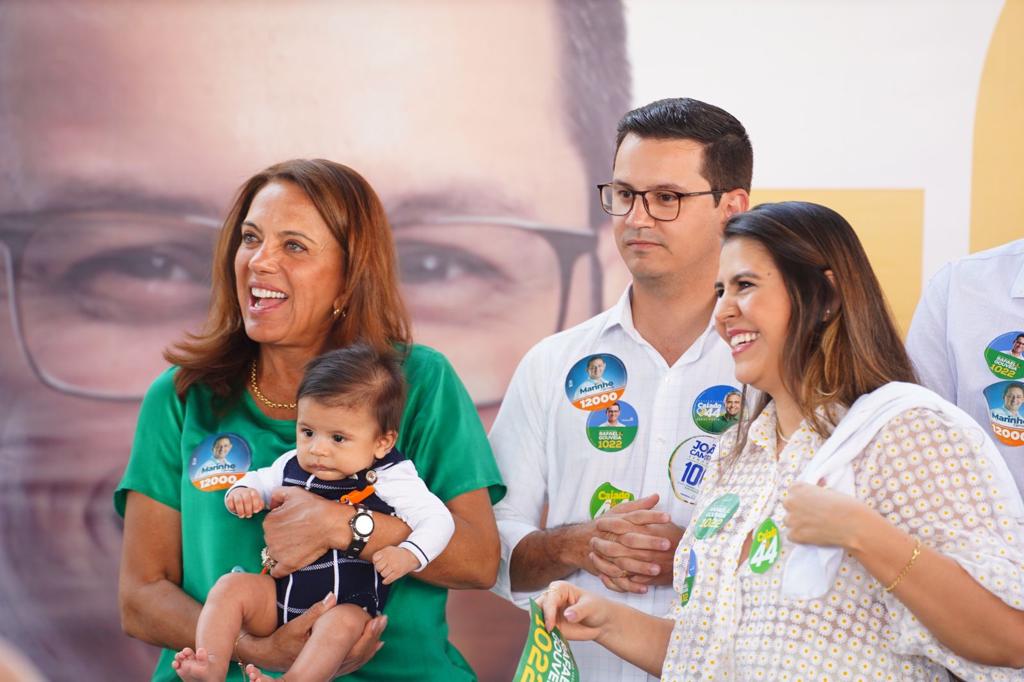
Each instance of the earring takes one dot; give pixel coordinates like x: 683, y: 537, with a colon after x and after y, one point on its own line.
x: 828, y: 313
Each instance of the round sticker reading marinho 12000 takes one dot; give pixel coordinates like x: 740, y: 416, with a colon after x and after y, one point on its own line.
x: 595, y: 382
x: 1005, y: 355
x: 219, y: 461
x: 1005, y: 401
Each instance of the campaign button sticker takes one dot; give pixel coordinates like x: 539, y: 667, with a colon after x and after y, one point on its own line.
x: 716, y: 515
x: 717, y: 408
x: 219, y: 461
x: 595, y: 382
x: 686, y: 589
x: 688, y: 463
x: 764, y: 550
x: 1005, y: 400
x: 606, y: 497
x: 613, y: 428
x: 1005, y: 355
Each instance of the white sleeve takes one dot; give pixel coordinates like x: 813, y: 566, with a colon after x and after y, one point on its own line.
x: 928, y: 338
x: 431, y: 522
x: 518, y: 438
x: 264, y: 480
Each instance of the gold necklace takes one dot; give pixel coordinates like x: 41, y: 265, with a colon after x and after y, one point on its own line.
x: 259, y: 394
x: 778, y: 432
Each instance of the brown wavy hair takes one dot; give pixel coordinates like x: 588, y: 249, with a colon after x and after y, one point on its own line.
x: 841, y: 340
x: 375, y: 313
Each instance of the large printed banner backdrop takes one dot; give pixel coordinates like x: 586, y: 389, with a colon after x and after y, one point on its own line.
x: 126, y: 127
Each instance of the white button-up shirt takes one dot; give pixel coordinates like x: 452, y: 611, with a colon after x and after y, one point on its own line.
x: 967, y: 305
x: 546, y: 458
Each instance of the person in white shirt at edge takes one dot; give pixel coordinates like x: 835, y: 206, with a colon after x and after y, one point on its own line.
x: 681, y: 169
x: 930, y: 571
x: 965, y: 307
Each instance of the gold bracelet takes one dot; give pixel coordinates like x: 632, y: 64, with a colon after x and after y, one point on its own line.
x: 903, y: 573
x: 234, y: 652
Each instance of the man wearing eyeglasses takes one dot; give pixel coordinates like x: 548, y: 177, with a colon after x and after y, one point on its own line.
x: 124, y: 130
x: 681, y: 169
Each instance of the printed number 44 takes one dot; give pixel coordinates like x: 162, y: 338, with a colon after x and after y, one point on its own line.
x: 766, y: 552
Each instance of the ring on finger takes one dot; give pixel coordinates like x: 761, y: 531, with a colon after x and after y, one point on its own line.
x: 268, y: 561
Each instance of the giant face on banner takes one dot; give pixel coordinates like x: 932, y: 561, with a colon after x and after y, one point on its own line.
x: 124, y: 131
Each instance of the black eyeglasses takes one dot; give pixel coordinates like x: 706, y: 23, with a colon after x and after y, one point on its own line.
x: 660, y: 204
x: 95, y: 296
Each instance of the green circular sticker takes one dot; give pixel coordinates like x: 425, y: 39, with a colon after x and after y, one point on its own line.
x: 764, y: 550
x: 717, y: 408
x: 1005, y: 355
x: 607, y: 496
x: 613, y: 428
x: 716, y: 515
x: 691, y: 576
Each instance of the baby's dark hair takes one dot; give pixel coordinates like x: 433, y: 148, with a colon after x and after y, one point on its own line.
x: 358, y: 375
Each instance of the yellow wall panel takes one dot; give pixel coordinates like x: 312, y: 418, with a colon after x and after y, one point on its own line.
x: 890, y: 224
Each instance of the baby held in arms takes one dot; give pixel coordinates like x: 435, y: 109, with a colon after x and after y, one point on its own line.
x: 350, y: 404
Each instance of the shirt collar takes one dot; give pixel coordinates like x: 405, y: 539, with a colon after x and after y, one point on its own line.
x: 621, y: 315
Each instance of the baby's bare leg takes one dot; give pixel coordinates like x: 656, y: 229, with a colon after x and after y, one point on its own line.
x: 332, y: 637
x: 237, y: 600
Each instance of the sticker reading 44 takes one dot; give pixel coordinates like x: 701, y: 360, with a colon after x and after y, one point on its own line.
x: 595, y: 382
x: 764, y: 550
x: 546, y: 656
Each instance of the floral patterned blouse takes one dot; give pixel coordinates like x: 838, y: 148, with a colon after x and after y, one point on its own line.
x: 922, y: 474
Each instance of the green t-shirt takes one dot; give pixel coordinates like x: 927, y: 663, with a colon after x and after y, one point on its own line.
x: 173, y: 463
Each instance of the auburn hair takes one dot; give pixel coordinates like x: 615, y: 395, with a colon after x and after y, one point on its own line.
x: 841, y: 339
x: 374, y: 312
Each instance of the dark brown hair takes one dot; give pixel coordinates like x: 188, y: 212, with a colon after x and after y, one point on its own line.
x: 358, y: 375
x: 841, y: 340
x: 728, y: 160
x: 374, y: 310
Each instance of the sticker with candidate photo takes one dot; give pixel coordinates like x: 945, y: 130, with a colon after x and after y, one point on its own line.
x: 1005, y: 355
x: 1005, y: 402
x: 607, y: 496
x: 595, y: 382
x: 717, y: 408
x: 219, y: 461
x: 613, y: 428
x: 688, y: 463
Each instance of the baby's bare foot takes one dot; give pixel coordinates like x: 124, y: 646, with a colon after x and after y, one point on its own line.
x: 256, y: 675
x: 193, y: 666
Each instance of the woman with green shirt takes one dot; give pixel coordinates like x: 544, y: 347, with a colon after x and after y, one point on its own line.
x: 305, y: 263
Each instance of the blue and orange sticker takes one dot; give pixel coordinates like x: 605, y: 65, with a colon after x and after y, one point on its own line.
x: 595, y: 382
x: 613, y: 428
x: 1005, y: 355
x: 1005, y: 402
x: 219, y: 461
x: 717, y: 408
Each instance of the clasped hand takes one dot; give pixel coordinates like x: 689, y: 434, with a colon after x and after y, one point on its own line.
x: 634, y: 546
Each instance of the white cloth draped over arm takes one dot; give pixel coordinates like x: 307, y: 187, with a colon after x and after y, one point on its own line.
x: 431, y: 522
x: 811, y: 570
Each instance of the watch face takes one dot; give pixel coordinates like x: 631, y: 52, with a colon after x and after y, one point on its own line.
x: 363, y: 524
